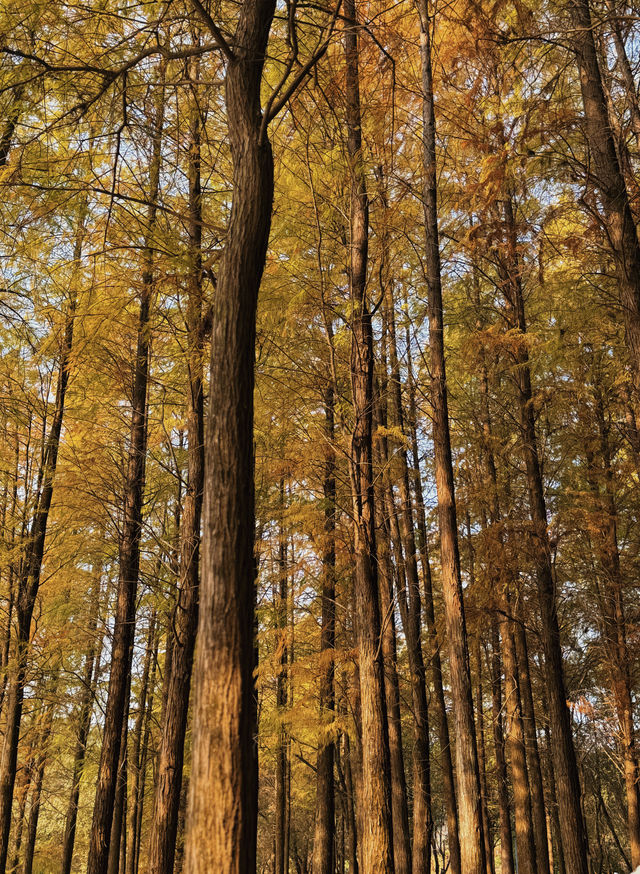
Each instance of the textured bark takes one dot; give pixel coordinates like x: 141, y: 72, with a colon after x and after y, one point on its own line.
x: 124, y: 627
x: 324, y: 831
x: 516, y: 747
x: 28, y: 582
x: 472, y: 848
x: 375, y: 802
x: 609, y: 180
x: 184, y: 624
x: 221, y: 837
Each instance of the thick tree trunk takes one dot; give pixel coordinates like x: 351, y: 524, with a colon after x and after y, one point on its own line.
x: 609, y: 180
x: 182, y: 633
x: 123, y: 633
x: 377, y: 837
x: 221, y: 837
x: 324, y: 832
x: 472, y: 848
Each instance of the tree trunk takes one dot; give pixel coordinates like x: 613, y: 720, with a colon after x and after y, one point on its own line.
x: 618, y: 217
x: 123, y: 633
x: 377, y: 837
x: 473, y: 859
x: 506, y: 843
x: 182, y: 633
x: 221, y: 837
x: 324, y: 832
x: 438, y: 701
x: 281, y: 865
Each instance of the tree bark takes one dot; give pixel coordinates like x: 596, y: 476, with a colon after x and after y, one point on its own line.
x: 609, y: 180
x: 221, y: 837
x: 506, y: 843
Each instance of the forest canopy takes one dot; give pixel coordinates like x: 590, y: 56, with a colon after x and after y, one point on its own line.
x: 319, y: 436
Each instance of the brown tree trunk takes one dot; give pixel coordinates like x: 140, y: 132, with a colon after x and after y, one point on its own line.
x: 221, y: 837
x: 36, y: 791
x: 473, y: 859
x: 377, y: 836
x: 609, y: 180
x: 516, y: 747
x: 124, y: 626
x: 182, y: 633
x: 506, y: 843
x: 324, y: 832
x: 482, y: 758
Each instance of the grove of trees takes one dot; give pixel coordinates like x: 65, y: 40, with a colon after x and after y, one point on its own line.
x: 319, y: 436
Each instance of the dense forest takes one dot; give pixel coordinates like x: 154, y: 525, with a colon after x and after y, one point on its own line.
x: 319, y: 436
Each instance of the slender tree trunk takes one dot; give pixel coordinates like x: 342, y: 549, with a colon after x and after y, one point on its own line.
x: 280, y: 604
x: 123, y: 633
x: 324, y: 833
x: 135, y: 752
x: 438, y: 701
x: 182, y: 633
x: 221, y: 837
x: 377, y: 837
x: 84, y: 723
x: 36, y: 792
x: 506, y: 842
x: 482, y: 758
x: 472, y: 848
